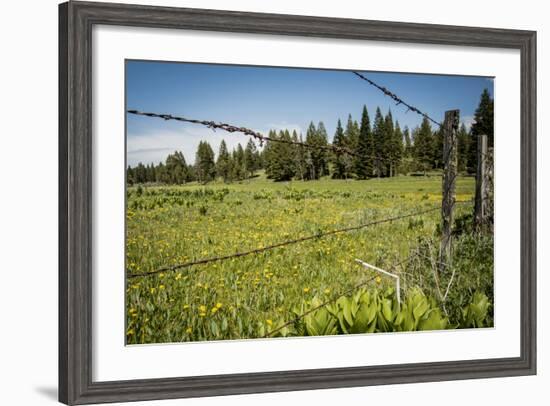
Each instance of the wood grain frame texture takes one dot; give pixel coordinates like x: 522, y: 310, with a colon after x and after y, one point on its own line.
x: 76, y: 20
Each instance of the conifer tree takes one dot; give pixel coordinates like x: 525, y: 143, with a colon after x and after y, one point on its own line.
x: 388, y: 145
x: 365, y: 148
x: 238, y: 169
x: 281, y: 160
x: 176, y: 168
x: 407, y: 142
x: 322, y: 140
x: 205, y: 167
x: 223, y: 164
x: 424, y: 145
x: 130, y: 175
x: 483, y: 124
x: 268, y: 155
x: 397, y: 148
x: 483, y: 118
x: 250, y: 158
x: 340, y: 169
x: 317, y: 164
x: 300, y: 164
x: 350, y: 142
x: 463, y: 140
x: 379, y: 152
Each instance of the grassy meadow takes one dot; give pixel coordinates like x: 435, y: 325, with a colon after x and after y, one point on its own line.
x: 250, y: 296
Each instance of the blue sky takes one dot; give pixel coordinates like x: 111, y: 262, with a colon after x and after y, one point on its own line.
x: 265, y: 98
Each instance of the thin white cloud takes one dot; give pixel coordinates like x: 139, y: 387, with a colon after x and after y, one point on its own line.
x: 156, y: 145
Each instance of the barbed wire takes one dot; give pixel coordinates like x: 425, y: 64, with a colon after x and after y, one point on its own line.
x: 396, y: 98
x: 246, y: 131
x: 281, y: 244
x: 335, y: 298
x: 259, y: 136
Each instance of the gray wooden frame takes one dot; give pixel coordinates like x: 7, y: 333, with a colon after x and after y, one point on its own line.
x: 76, y: 20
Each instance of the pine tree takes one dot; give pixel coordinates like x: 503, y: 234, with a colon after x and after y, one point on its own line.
x: 463, y: 140
x: 223, y: 164
x: 408, y: 142
x: 140, y: 175
x: 483, y: 124
x: 365, y: 148
x: 191, y: 173
x: 317, y: 157
x: 281, y: 160
x: 162, y: 174
x: 322, y: 140
x: 397, y: 148
x: 250, y: 158
x: 340, y: 169
x: 176, y: 168
x: 423, y: 145
x: 389, y: 145
x: 130, y: 175
x: 268, y: 157
x: 300, y: 164
x: 350, y: 142
x: 205, y: 167
x: 379, y: 152
x: 483, y: 118
x: 239, y: 172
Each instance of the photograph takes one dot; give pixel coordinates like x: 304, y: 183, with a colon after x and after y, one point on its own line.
x: 271, y: 202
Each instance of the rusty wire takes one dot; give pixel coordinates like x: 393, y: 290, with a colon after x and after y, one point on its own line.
x: 257, y: 135
x: 246, y: 131
x: 396, y: 98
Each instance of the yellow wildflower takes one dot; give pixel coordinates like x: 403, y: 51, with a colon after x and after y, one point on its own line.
x: 306, y: 290
x: 269, y: 322
x: 378, y: 279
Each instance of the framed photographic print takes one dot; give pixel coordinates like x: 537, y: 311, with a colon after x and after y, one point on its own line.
x: 260, y: 202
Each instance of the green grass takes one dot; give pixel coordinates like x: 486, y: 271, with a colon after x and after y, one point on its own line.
x: 249, y: 296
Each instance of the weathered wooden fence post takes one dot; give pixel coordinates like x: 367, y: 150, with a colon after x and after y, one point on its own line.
x: 450, y: 161
x: 481, y: 200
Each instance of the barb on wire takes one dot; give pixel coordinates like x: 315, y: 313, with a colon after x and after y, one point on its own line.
x: 396, y: 98
x: 335, y: 298
x: 281, y: 244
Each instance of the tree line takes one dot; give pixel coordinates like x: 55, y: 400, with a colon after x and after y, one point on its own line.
x: 379, y: 149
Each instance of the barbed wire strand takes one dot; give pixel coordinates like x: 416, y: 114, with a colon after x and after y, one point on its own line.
x: 257, y: 135
x: 246, y: 131
x: 282, y: 244
x: 396, y: 98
